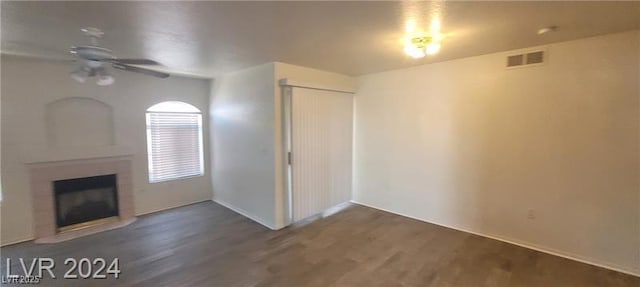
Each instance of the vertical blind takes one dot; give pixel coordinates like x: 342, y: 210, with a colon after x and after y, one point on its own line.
x: 321, y: 147
x: 174, y: 145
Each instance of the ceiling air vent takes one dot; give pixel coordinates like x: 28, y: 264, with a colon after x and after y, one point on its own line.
x: 525, y: 59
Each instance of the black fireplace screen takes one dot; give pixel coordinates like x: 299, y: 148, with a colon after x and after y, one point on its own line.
x: 85, y: 199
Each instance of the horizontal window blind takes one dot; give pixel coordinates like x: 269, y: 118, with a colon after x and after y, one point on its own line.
x: 174, y: 143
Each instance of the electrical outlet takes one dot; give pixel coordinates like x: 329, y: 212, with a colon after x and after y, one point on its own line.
x: 531, y: 214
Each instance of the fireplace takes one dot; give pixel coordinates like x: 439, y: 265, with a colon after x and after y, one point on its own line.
x: 82, y: 202
x: 73, y: 198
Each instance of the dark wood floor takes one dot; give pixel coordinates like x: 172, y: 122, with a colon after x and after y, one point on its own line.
x: 206, y: 244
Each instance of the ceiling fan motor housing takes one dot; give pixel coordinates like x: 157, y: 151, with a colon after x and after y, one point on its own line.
x: 92, y: 53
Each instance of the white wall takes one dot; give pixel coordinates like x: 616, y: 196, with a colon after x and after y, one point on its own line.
x: 28, y: 85
x: 472, y: 145
x: 247, y: 138
x: 242, y: 137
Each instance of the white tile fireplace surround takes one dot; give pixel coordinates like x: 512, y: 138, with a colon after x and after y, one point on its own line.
x: 45, y: 172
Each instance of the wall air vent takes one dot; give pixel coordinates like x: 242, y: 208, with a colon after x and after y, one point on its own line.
x: 515, y: 60
x: 533, y: 58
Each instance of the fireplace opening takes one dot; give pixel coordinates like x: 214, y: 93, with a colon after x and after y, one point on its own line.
x: 84, y: 201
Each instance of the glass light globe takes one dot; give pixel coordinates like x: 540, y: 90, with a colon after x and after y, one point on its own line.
x: 105, y: 80
x: 78, y: 77
x: 414, y: 51
x: 432, y: 48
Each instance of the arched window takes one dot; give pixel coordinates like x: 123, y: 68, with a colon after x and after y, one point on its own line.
x: 174, y: 141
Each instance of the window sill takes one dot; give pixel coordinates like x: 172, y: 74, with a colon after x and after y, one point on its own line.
x: 175, y: 179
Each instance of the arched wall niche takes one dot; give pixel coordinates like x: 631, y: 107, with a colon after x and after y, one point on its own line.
x: 79, y: 122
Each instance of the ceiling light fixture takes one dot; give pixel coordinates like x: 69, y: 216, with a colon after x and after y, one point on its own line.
x: 419, y: 47
x: 546, y: 30
x: 419, y: 43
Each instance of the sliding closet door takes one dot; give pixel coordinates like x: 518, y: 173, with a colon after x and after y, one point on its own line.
x: 321, y: 146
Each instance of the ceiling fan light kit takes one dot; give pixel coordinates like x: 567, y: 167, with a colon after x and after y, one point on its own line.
x: 94, y: 59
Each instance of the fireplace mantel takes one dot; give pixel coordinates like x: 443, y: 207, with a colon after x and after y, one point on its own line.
x: 77, y: 153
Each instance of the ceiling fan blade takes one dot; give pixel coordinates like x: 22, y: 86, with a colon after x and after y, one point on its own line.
x: 26, y: 49
x: 140, y: 70
x: 135, y: 61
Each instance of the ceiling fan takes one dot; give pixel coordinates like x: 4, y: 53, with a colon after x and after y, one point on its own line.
x: 94, y: 61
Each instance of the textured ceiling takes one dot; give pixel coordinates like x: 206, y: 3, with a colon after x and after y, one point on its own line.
x: 353, y: 38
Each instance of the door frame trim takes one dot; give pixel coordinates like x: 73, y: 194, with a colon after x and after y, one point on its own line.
x: 286, y: 82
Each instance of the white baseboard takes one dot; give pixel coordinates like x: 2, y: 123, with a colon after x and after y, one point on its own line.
x: 16, y: 241
x: 245, y: 214
x: 173, y: 206
x: 535, y: 247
